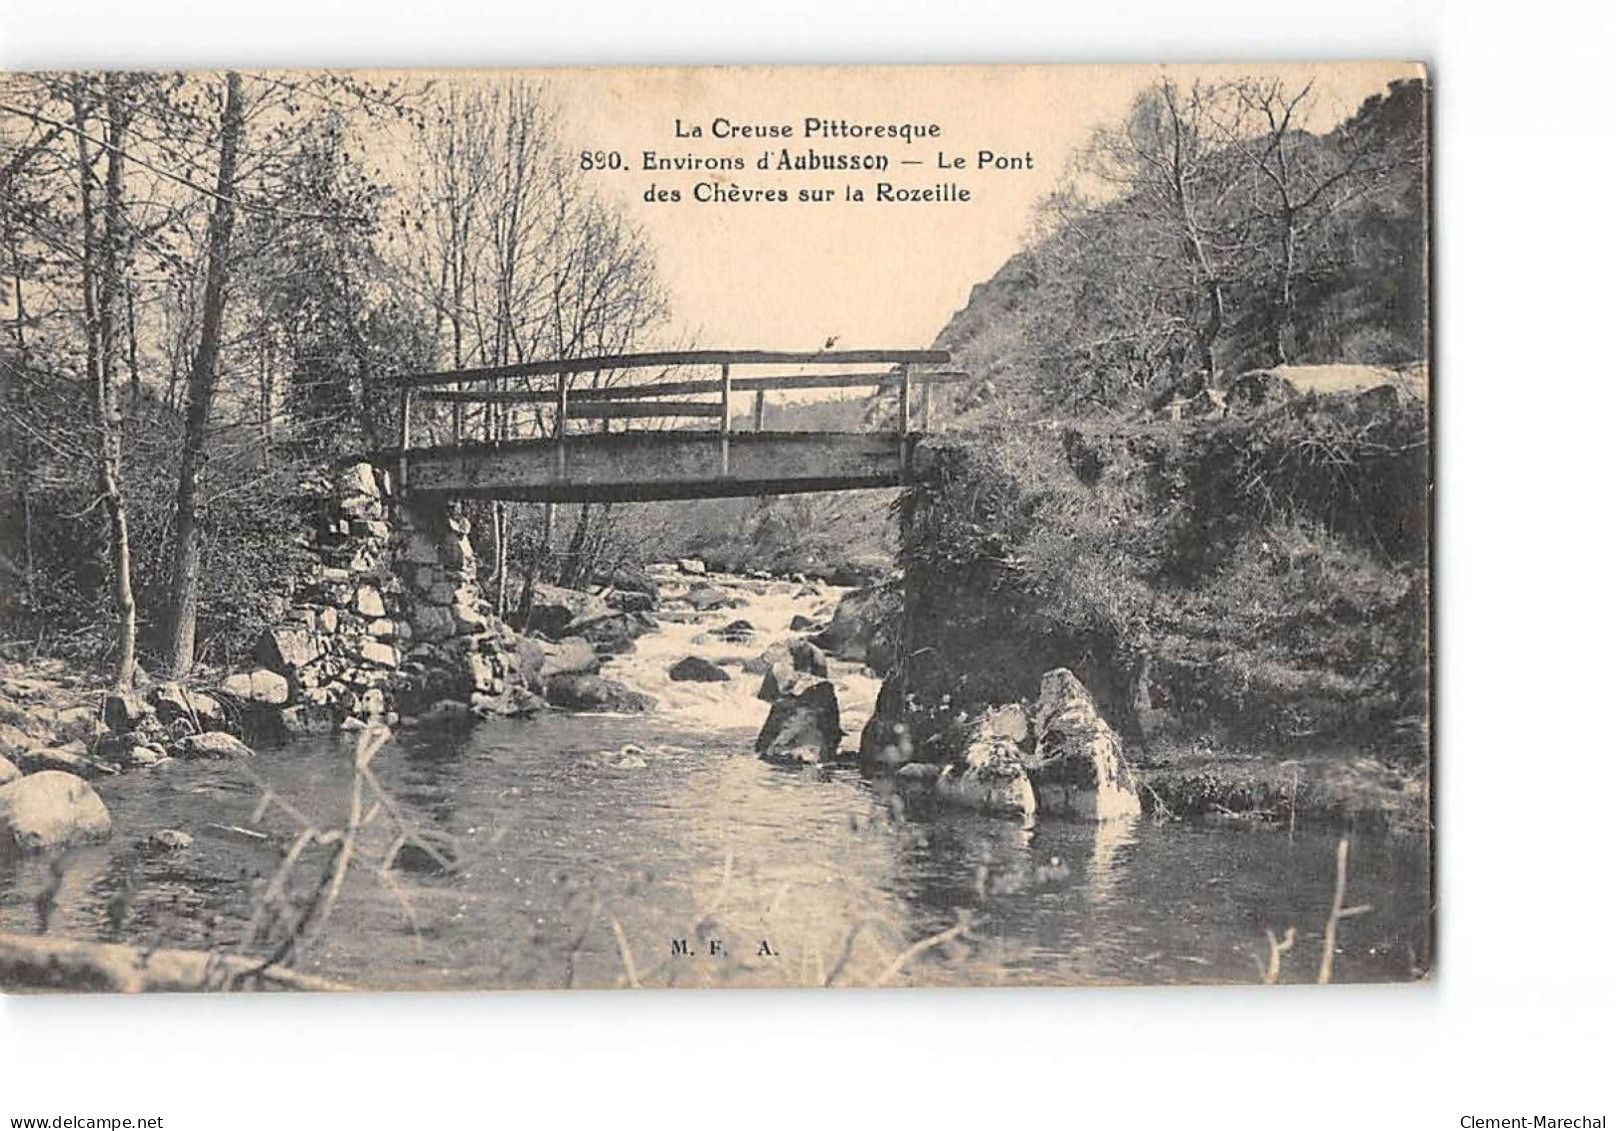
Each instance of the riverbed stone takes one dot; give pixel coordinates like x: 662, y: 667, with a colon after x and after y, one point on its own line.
x: 213, y: 744
x: 695, y: 669
x: 48, y: 810
x: 8, y: 771
x: 1077, y: 767
x: 804, y: 726
x: 167, y: 840
x: 705, y: 597
x: 693, y: 566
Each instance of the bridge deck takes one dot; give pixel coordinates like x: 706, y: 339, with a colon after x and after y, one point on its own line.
x: 643, y: 466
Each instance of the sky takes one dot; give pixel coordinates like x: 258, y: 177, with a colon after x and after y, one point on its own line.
x: 792, y: 275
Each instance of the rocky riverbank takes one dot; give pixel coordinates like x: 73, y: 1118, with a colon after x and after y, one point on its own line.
x: 324, y: 667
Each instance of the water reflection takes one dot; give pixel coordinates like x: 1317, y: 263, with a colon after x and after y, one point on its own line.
x: 565, y: 824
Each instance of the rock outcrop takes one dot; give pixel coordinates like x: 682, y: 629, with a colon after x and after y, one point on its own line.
x: 804, y: 725
x: 1076, y: 767
x: 49, y: 810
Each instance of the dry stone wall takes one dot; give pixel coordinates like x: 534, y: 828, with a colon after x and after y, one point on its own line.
x: 390, y: 622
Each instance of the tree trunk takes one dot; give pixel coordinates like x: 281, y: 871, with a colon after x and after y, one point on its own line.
x: 100, y: 283
x: 1285, y: 330
x: 113, y: 251
x: 203, y: 380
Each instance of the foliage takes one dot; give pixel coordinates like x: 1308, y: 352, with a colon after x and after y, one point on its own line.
x: 1264, y: 574
x: 1209, y: 232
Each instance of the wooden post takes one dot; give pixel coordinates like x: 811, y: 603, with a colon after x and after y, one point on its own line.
x: 723, y: 424
x: 904, y: 395
x: 757, y: 411
x: 925, y: 405
x: 561, y: 424
x: 404, y: 438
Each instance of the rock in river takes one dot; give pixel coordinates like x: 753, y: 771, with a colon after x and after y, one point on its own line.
x: 50, y: 810
x: 694, y: 669
x: 1077, y: 766
x: 989, y: 775
x: 593, y: 693
x: 212, y: 744
x: 804, y: 725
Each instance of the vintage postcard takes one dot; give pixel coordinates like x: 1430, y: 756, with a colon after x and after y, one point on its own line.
x: 715, y: 527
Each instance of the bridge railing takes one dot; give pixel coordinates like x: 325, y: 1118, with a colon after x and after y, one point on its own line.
x: 911, y: 370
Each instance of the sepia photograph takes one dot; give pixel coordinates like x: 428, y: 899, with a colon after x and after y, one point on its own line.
x: 716, y: 527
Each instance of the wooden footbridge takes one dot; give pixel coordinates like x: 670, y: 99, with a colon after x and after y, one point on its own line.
x: 544, y: 431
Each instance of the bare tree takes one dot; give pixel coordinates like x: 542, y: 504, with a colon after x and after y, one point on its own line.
x: 203, y: 380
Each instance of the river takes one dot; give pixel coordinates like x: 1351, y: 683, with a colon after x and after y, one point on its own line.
x: 601, y: 850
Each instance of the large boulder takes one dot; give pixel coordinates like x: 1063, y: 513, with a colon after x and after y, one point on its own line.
x: 804, y: 726
x: 799, y: 655
x: 581, y: 692
x: 287, y: 647
x: 694, y: 669
x: 68, y: 758
x: 571, y: 655
x: 615, y: 633
x: 556, y: 610
x: 213, y: 744
x: 50, y: 810
x: 174, y: 702
x: 124, y: 711
x: 705, y: 597
x: 782, y: 679
x: 885, y: 744
x: 634, y: 581
x: 863, y: 627
x: 988, y: 773
x: 258, y: 686
x: 630, y: 601
x: 1000, y: 786
x: 1077, y: 766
